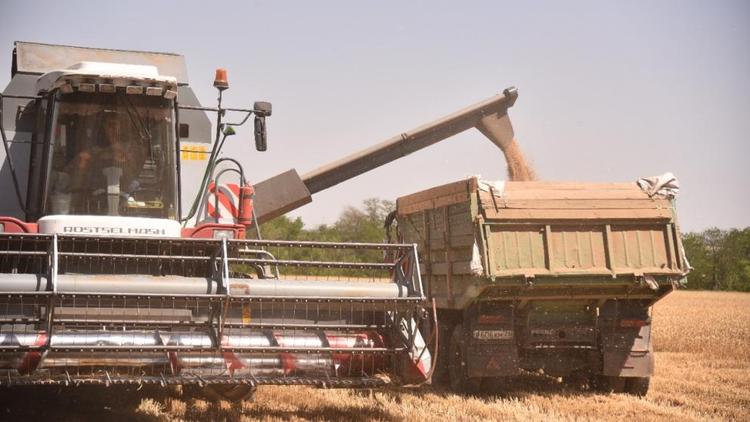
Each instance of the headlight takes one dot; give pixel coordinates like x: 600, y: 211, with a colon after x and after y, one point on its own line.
x: 223, y: 234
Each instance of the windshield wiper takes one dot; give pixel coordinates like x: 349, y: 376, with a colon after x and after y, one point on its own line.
x: 137, y: 121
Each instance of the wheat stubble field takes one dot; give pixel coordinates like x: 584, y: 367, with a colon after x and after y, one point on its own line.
x: 702, y: 342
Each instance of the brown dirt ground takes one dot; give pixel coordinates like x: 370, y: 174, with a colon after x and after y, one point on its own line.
x: 702, y: 342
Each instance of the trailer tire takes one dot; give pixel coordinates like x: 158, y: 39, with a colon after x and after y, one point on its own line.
x: 231, y: 393
x: 460, y: 381
x: 637, y: 386
x: 608, y: 384
x: 577, y: 379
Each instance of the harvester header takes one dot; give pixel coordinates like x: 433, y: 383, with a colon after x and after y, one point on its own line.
x: 114, y: 310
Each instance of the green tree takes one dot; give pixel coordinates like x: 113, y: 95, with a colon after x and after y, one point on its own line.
x: 361, y: 225
x: 720, y: 259
x: 714, y: 241
x: 366, y: 224
x: 283, y: 228
x: 700, y: 259
x: 735, y: 260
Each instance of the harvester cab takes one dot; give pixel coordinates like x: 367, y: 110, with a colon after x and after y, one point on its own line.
x: 111, y: 152
x: 125, y: 260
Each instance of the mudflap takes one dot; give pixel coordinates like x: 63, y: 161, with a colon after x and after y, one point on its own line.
x: 491, y: 344
x: 492, y: 360
x: 626, y: 339
x: 623, y: 363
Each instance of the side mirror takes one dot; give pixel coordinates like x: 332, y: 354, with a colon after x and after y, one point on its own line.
x: 262, y: 109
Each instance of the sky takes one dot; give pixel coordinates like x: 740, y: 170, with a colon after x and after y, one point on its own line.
x: 608, y: 91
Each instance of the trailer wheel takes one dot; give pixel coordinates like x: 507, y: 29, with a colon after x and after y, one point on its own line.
x: 232, y: 393
x: 608, y: 384
x: 577, y: 379
x: 457, y: 372
x: 637, y: 386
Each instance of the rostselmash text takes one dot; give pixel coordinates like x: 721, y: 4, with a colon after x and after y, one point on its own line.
x: 114, y: 230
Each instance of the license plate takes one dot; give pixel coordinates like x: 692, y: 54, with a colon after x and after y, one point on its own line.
x: 544, y: 332
x: 493, y: 334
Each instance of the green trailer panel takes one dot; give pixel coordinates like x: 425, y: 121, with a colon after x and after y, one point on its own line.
x: 478, y: 239
x: 591, y: 248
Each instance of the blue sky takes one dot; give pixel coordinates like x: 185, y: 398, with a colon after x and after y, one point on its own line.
x: 609, y: 91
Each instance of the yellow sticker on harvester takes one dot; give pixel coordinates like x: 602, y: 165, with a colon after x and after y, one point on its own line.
x: 193, y: 152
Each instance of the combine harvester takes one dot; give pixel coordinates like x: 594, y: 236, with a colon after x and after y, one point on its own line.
x: 111, y: 273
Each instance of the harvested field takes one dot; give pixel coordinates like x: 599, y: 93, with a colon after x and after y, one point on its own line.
x: 702, y: 341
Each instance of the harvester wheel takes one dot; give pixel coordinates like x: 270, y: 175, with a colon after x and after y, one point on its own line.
x: 232, y: 393
x: 457, y: 370
x: 637, y: 386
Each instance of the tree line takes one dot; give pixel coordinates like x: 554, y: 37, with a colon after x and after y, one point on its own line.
x: 361, y: 225
x: 720, y: 258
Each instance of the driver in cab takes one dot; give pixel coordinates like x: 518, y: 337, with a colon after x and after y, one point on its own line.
x: 111, y: 165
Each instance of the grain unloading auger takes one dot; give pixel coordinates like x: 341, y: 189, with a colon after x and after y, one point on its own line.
x: 100, y: 283
x: 288, y: 191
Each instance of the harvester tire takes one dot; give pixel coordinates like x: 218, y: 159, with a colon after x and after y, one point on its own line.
x: 637, y: 386
x: 231, y: 393
x: 460, y: 381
